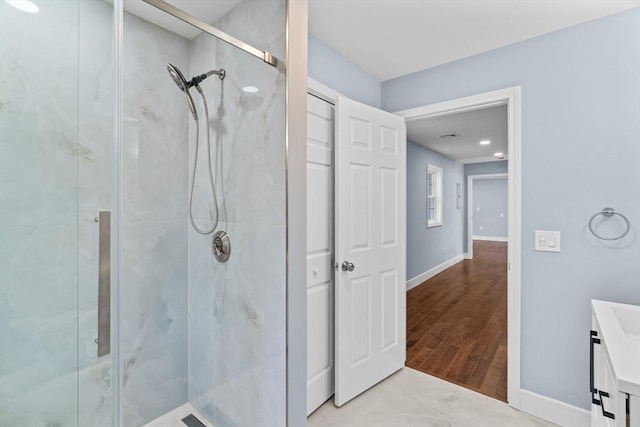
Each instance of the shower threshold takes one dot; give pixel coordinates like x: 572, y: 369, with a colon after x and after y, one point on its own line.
x: 175, y: 418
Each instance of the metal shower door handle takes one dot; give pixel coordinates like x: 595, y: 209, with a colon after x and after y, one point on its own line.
x: 104, y: 283
x: 348, y: 266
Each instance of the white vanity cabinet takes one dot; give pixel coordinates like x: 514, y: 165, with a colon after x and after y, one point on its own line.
x: 615, y: 365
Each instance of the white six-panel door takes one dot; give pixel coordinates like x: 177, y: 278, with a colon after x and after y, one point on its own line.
x: 320, y: 336
x: 370, y: 233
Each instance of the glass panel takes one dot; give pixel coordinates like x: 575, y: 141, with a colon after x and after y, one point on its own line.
x: 55, y: 175
x: 153, y: 258
x: 95, y: 172
x: 431, y: 209
x: 198, y: 332
x: 237, y: 362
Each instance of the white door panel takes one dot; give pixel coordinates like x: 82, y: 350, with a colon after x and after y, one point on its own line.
x: 370, y: 231
x: 320, y: 247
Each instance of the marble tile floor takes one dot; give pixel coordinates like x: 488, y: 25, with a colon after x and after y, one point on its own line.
x: 174, y: 418
x: 411, y: 398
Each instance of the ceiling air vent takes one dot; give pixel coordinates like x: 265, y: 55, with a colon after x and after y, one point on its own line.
x: 448, y: 135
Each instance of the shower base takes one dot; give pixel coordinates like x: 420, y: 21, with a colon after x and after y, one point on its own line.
x: 174, y: 418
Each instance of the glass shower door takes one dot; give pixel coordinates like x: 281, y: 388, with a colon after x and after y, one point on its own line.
x: 56, y: 119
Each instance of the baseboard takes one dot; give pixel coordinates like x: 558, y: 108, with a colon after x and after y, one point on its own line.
x: 412, y: 283
x: 490, y: 238
x: 553, y: 410
x: 467, y: 255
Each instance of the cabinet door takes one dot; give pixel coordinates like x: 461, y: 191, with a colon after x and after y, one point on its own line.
x: 608, y: 395
x: 597, y: 377
x: 634, y: 410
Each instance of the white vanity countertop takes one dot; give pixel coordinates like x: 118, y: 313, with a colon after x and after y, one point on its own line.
x: 619, y: 325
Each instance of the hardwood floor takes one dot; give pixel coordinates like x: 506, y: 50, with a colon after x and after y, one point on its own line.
x: 457, y: 322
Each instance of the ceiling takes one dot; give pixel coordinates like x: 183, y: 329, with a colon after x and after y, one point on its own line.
x: 391, y: 38
x: 471, y: 128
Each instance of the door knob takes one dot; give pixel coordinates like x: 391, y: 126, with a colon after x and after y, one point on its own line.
x: 348, y: 266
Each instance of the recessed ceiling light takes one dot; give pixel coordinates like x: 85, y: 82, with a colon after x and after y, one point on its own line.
x: 24, y: 5
x: 250, y: 89
x: 498, y: 154
x: 485, y: 142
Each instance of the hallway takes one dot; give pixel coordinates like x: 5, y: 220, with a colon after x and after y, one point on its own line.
x: 457, y: 322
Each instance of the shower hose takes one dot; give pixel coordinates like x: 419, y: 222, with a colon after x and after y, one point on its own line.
x: 195, y: 167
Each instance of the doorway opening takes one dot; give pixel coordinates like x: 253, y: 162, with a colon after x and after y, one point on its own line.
x: 465, y: 361
x: 493, y: 194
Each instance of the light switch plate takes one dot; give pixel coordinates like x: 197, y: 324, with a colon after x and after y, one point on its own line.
x: 547, y: 241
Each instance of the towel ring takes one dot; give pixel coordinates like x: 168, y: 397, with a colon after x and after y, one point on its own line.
x: 609, y: 212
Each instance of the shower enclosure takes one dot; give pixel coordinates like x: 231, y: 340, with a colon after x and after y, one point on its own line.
x: 114, y: 310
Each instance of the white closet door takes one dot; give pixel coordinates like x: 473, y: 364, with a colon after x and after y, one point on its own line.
x: 320, y: 286
x: 370, y: 245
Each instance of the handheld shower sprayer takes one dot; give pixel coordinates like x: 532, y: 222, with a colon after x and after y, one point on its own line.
x: 184, y: 86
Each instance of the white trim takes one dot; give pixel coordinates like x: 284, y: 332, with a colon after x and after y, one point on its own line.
x: 554, y: 410
x: 412, y: 283
x: 512, y: 98
x: 469, y: 103
x: 486, y: 159
x: 467, y: 255
x: 470, y: 179
x: 490, y: 176
x: 490, y: 238
x: 321, y: 91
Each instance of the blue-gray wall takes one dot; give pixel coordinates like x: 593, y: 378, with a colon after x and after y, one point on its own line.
x: 486, y: 168
x: 328, y: 67
x: 430, y: 247
x: 580, y: 152
x: 478, y: 169
x: 490, y: 207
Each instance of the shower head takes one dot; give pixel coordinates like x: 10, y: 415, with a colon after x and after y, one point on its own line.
x: 184, y: 86
x: 177, y: 77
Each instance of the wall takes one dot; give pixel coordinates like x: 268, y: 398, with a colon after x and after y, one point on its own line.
x: 328, y: 67
x: 430, y: 247
x: 490, y: 208
x: 486, y: 168
x: 478, y: 169
x: 237, y: 310
x: 580, y: 152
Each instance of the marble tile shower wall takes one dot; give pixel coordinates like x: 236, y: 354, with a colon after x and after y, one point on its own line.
x: 153, y: 276
x: 55, y: 148
x: 237, y: 309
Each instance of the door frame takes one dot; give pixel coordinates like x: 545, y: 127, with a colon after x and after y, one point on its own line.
x: 470, y: 179
x: 511, y: 97
x: 321, y: 91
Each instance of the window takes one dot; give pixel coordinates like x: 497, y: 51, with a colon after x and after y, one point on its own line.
x: 434, y: 196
